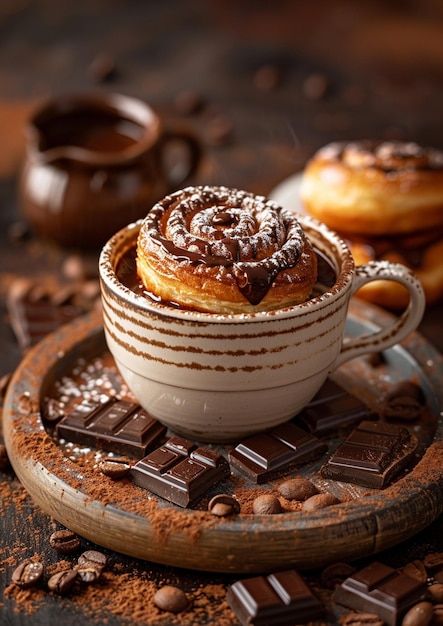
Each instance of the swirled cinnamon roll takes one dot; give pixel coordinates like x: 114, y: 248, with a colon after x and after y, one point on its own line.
x: 375, y: 188
x: 223, y: 250
x: 386, y: 200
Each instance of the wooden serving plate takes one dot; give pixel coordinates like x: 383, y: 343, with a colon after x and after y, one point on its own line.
x: 123, y: 517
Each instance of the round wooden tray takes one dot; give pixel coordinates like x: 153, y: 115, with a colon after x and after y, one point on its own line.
x: 142, y: 526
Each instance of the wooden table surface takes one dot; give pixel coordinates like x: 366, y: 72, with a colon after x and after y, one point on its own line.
x: 276, y: 82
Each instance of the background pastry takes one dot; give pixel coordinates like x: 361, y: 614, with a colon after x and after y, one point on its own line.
x: 225, y: 251
x: 386, y: 200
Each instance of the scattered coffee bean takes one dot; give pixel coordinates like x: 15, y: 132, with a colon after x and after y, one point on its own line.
x: 171, y: 599
x: 376, y: 359
x: 434, y: 561
x: 102, y: 68
x: 335, y: 574
x: 189, y: 102
x: 114, y: 468
x: 62, y: 582
x: 219, y: 130
x: 361, y: 619
x: 267, y: 77
x: 315, y: 86
x: 298, y: 488
x: 266, y: 504
x: 19, y: 232
x: 419, y: 615
x: 436, y: 592
x: 404, y: 402
x: 437, y: 615
x: 27, y: 574
x: 90, y: 565
x: 93, y: 556
x: 416, y: 569
x: 319, y: 501
x: 438, y: 576
x: 4, y: 459
x: 223, y: 505
x: 64, y: 541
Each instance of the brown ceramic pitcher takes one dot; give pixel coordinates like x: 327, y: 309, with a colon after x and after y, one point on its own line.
x: 95, y: 163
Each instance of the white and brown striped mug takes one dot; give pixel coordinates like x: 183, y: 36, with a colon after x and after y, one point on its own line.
x: 220, y: 377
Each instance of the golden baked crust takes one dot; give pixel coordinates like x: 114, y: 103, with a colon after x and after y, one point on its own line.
x: 225, y: 251
x: 375, y: 187
x: 392, y: 295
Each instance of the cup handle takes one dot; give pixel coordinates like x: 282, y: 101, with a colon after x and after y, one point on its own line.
x: 402, y: 326
x: 182, y: 168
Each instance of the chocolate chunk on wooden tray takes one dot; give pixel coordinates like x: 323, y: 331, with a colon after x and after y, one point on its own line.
x: 331, y: 409
x: 179, y: 471
x: 372, y: 455
x: 281, y: 598
x: 115, y: 426
x: 380, y: 589
x: 270, y: 454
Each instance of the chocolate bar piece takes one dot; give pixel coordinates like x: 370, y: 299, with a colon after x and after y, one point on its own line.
x: 34, y: 311
x: 331, y: 409
x: 380, y: 589
x: 280, y: 599
x: 115, y: 426
x: 276, y: 452
x: 179, y: 471
x: 372, y: 455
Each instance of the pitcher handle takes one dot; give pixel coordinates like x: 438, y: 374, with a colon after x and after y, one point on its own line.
x: 186, y: 166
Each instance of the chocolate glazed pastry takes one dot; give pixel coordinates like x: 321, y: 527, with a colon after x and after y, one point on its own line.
x: 225, y: 251
x: 386, y: 200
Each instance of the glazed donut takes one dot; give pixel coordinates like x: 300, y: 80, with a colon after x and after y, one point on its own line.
x: 375, y: 188
x: 427, y: 266
x: 223, y: 250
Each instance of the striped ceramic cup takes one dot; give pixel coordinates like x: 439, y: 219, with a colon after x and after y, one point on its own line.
x: 219, y: 377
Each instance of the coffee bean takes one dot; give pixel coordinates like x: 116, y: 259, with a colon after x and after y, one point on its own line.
x: 267, y: 77
x: 361, y: 619
x: 64, y: 541
x: 90, y: 566
x: 437, y: 615
x: 88, y: 573
x: 417, y: 570
x: 114, y: 468
x: 103, y: 68
x: 27, y: 574
x: 93, y: 557
x: 319, y: 501
x: 189, y: 102
x: 436, y: 592
x: 438, y: 576
x: 4, y: 459
x: 404, y: 401
x: 419, y: 615
x: 171, y: 599
x: 434, y: 561
x: 219, y: 130
x: 299, y: 488
x: 315, y: 86
x: 335, y: 574
x: 62, y: 582
x: 223, y: 505
x: 266, y: 504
